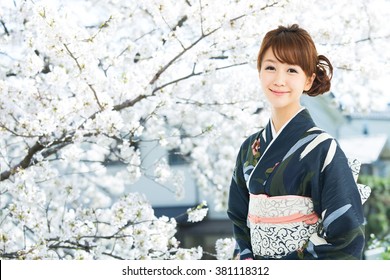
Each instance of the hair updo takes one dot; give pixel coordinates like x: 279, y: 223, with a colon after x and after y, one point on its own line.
x: 293, y: 45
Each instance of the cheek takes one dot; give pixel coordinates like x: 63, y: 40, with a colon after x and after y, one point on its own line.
x: 298, y: 83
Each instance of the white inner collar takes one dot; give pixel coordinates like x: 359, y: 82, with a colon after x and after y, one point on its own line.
x: 273, y: 131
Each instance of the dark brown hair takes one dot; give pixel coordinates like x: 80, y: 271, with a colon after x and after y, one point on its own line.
x: 293, y: 45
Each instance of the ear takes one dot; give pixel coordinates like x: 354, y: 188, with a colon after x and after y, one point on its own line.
x: 309, y: 82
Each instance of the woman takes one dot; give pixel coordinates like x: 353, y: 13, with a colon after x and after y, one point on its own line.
x: 293, y: 195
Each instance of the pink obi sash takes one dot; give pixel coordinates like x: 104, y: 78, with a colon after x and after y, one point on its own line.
x: 280, y: 224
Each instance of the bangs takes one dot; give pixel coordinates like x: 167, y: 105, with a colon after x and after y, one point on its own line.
x: 292, y: 51
x: 288, y: 52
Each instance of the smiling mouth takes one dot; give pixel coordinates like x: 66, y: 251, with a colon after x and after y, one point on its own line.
x: 278, y: 92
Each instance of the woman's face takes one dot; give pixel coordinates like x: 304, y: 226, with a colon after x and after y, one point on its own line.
x: 283, y: 84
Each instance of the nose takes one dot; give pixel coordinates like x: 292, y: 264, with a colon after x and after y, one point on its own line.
x: 280, y: 79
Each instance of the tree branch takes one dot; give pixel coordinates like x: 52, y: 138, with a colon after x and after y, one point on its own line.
x: 23, y: 163
x: 162, y: 70
x: 195, y: 74
x: 5, y: 27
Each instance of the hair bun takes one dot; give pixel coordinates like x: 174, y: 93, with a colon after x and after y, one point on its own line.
x: 324, y: 74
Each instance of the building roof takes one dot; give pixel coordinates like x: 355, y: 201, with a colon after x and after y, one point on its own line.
x: 365, y: 148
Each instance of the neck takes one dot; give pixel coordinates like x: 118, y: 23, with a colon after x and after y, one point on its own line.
x: 280, y: 116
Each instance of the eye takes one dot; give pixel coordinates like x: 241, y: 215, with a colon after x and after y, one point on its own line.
x: 292, y: 70
x: 269, y: 68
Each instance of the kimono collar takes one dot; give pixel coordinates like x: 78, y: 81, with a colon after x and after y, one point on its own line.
x: 291, y: 131
x: 275, y: 134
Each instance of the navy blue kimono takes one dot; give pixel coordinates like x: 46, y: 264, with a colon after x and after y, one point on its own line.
x: 302, y: 160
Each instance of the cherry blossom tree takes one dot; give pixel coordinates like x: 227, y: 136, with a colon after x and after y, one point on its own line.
x: 86, y: 83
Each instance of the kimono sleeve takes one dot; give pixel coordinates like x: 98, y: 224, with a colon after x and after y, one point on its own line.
x: 341, y: 233
x: 238, y: 209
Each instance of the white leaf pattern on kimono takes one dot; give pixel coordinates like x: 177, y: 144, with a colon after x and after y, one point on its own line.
x: 322, y: 137
x: 330, y: 155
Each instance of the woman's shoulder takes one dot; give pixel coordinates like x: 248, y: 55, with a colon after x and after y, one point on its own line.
x: 319, y: 139
x: 318, y: 134
x: 252, y: 137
